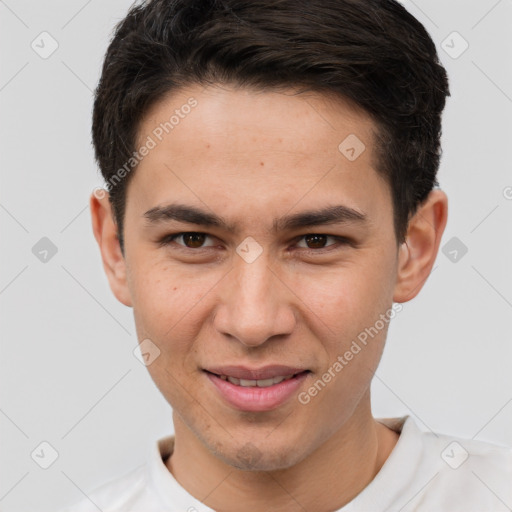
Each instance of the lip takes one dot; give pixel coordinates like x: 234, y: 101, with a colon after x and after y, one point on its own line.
x: 265, y: 372
x: 256, y: 399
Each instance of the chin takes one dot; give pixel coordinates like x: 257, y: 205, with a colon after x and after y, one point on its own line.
x: 263, y: 456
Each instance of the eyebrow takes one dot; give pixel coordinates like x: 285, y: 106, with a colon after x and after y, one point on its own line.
x: 338, y: 214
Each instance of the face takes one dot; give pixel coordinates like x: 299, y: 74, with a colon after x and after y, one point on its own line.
x: 256, y: 248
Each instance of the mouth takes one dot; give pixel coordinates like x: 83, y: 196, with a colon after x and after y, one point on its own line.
x: 256, y: 390
x: 260, y: 383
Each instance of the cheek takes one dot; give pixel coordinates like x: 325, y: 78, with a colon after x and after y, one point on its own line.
x: 169, y: 310
x: 343, y: 301
x: 347, y: 319
x: 164, y: 299
x: 172, y: 305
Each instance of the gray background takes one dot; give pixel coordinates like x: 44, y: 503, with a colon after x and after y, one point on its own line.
x: 68, y: 375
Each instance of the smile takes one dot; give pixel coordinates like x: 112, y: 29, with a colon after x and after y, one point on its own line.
x: 256, y: 390
x: 262, y: 383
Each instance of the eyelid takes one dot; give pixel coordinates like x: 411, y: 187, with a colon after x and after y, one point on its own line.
x: 167, y: 239
x: 302, y: 237
x: 340, y: 240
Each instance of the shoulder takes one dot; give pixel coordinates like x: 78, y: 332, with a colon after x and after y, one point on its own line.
x: 140, y: 489
x: 114, y: 495
x: 454, y: 453
x: 463, y: 474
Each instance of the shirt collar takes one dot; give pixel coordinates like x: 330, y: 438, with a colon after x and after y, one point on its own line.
x: 380, y: 494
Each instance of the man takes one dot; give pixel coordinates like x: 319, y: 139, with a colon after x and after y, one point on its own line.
x: 272, y: 201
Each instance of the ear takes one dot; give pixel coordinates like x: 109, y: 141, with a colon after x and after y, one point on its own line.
x: 418, y: 253
x: 105, y: 232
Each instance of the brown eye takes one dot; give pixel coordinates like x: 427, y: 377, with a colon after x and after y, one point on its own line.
x: 316, y: 241
x: 193, y: 240
x: 190, y: 240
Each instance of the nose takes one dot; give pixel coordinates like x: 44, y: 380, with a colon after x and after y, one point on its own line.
x: 255, y: 304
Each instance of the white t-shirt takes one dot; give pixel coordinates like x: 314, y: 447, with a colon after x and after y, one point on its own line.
x: 425, y: 472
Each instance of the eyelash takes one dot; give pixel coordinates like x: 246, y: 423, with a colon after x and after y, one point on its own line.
x: 341, y: 241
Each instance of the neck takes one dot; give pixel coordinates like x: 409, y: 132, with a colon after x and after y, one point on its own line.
x: 327, y: 479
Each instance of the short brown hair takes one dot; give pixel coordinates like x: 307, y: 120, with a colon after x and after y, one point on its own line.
x: 371, y: 52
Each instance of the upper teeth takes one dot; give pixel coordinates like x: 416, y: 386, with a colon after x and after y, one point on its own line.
x: 261, y: 383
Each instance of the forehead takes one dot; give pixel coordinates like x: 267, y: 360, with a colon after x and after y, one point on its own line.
x: 301, y: 122
x: 224, y: 146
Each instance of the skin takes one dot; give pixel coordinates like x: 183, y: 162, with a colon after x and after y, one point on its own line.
x: 252, y: 157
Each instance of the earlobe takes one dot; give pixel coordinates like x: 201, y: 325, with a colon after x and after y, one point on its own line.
x: 105, y: 231
x: 419, y: 251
